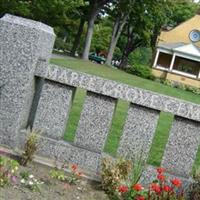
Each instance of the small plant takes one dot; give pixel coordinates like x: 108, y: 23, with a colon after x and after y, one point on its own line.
x: 29, y: 148
x: 194, y: 190
x: 29, y: 181
x: 114, y: 173
x: 72, y: 177
x: 159, y: 189
x: 8, y: 170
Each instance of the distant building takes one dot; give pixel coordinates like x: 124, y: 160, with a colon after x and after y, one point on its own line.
x: 178, y: 53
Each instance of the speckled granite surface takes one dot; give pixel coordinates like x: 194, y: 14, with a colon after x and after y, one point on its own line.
x: 22, y: 43
x: 53, y: 109
x: 138, y: 132
x: 182, y: 146
x: 95, y: 122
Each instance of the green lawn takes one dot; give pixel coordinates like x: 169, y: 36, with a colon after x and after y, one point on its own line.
x: 165, y: 119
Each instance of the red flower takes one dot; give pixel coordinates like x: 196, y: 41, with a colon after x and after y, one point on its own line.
x: 137, y: 187
x: 160, y: 170
x: 161, y: 177
x: 176, y: 182
x: 155, y: 187
x: 123, y: 188
x: 74, y: 167
x: 167, y: 188
x: 140, y: 198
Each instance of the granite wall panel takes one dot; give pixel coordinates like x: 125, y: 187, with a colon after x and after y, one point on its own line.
x: 95, y: 122
x: 53, y: 109
x: 138, y: 132
x: 182, y: 147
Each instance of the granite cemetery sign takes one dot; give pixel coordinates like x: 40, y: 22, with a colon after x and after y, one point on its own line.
x: 37, y: 94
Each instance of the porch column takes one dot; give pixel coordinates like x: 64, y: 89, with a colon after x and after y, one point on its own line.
x: 198, y: 77
x: 172, y: 62
x: 156, y: 58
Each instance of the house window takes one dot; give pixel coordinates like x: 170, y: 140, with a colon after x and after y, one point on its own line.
x: 187, y: 66
x: 164, y: 60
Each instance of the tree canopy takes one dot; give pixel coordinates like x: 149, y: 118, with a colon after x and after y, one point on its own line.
x: 117, y: 27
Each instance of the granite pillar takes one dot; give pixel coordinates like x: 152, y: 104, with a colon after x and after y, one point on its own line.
x: 182, y: 147
x: 138, y: 132
x: 23, y: 43
x: 53, y: 109
x: 95, y: 122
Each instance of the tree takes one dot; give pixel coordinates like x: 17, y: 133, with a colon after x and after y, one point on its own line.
x: 148, y: 17
x: 101, y: 36
x: 138, y: 28
x: 120, y: 14
x: 95, y: 7
x: 82, y: 15
x: 19, y: 8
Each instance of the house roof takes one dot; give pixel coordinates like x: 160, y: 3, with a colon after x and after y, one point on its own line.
x: 170, y: 46
x: 182, y: 48
x: 189, y: 49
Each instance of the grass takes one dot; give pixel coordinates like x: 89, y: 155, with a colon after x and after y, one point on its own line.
x: 165, y: 120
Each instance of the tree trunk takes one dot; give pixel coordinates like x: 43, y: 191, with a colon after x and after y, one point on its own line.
x: 117, y: 29
x: 95, y: 7
x: 124, y: 60
x: 78, y: 37
x: 88, y: 38
x: 128, y: 49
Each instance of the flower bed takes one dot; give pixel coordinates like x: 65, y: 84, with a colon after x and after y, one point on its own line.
x: 38, y: 182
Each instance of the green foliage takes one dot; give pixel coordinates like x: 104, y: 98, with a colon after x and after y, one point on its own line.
x: 20, y: 8
x: 58, y: 174
x: 141, y: 56
x: 141, y: 71
x: 117, y: 54
x: 73, y: 177
x: 29, y: 148
x: 24, y: 174
x: 8, y: 169
x: 101, y: 38
x: 59, y: 44
x: 194, y: 190
x: 179, y: 85
x: 181, y: 10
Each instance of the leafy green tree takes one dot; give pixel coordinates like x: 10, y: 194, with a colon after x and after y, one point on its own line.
x: 101, y: 37
x: 20, y: 8
x: 138, y: 28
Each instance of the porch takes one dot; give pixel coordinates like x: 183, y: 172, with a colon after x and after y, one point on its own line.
x: 178, y: 62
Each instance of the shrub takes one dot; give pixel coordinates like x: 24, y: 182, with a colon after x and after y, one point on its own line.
x: 194, y: 190
x: 141, y: 71
x: 8, y: 170
x: 113, y: 173
x: 140, y: 56
x: 29, y: 148
x: 117, y: 183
